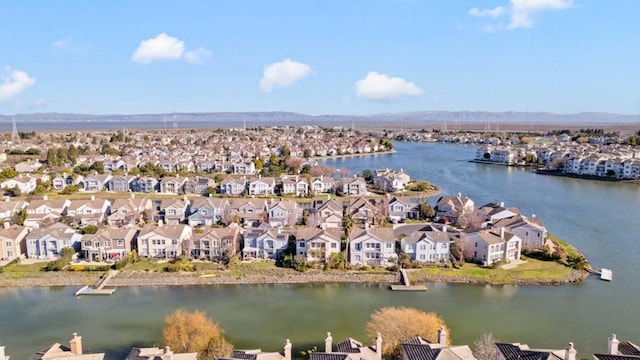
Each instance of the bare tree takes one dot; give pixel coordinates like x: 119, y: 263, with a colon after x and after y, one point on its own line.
x: 344, y: 172
x: 321, y: 170
x: 294, y: 164
x: 484, y: 347
x: 382, y: 210
x: 471, y: 220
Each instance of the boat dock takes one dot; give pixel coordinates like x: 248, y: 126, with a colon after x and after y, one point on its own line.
x: 605, y: 274
x: 405, y: 284
x: 99, y: 288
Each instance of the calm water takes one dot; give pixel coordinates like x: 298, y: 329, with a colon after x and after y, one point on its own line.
x: 598, y: 217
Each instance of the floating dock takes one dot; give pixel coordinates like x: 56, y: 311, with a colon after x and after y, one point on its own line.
x: 405, y: 285
x: 99, y: 288
x: 606, y: 274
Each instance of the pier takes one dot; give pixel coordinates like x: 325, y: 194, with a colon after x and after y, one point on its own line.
x: 99, y: 288
x: 405, y: 284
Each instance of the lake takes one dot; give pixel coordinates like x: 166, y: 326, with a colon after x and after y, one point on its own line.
x: 598, y: 217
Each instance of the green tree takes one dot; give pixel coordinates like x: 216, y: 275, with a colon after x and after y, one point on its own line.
x: 274, y: 160
x: 19, y: 217
x: 90, y: 229
x: 426, y: 211
x: 259, y: 163
x: 8, y: 173
x: 72, y: 154
x: 367, y: 175
x: 52, y: 159
x: 98, y: 167
x: 186, y: 331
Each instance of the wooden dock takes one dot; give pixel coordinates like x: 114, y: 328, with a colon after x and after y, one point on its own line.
x: 605, y: 274
x: 405, y: 284
x: 99, y: 288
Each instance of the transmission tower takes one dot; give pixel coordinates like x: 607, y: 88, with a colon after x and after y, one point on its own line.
x: 15, y: 137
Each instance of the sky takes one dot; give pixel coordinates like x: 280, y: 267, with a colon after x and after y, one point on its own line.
x: 352, y: 57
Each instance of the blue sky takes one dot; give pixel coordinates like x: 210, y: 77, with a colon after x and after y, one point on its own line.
x: 319, y: 56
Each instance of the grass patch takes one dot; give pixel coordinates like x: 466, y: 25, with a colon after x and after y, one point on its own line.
x: 144, y: 264
x: 570, y: 250
x: 531, y: 271
x: 20, y: 268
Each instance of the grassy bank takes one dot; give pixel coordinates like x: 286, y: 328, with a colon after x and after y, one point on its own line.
x: 531, y: 272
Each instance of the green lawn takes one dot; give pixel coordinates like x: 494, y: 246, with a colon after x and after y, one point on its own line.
x: 19, y: 268
x: 144, y: 264
x: 570, y: 250
x: 532, y: 270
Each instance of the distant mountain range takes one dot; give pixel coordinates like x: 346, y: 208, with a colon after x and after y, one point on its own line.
x: 289, y: 118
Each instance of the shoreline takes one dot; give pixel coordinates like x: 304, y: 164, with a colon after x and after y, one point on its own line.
x: 352, y: 155
x: 152, y: 279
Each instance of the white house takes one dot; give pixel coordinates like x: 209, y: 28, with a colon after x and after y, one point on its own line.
x: 490, y: 246
x: 373, y: 247
x: 427, y: 246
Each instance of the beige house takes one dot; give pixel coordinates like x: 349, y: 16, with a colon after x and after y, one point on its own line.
x: 162, y: 241
x: 12, y: 242
x: 107, y: 244
x: 45, y: 210
x: 317, y: 245
x: 490, y: 246
x: 72, y: 352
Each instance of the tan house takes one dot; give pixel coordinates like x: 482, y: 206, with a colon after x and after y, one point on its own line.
x: 12, y: 244
x: 45, y: 210
x: 89, y: 212
x: 107, y: 244
x: 162, y: 241
x: 129, y: 210
x: 73, y: 352
x: 317, y: 245
x: 214, y: 243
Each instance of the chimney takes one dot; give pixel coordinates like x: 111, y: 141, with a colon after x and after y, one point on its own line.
x: 442, y: 336
x: 459, y: 195
x: 45, y: 197
x: 7, y: 199
x: 501, y: 204
x: 327, y: 343
x: 444, y: 228
x: 93, y: 197
x: 287, y: 350
x: 133, y: 195
x: 76, y: 344
x: 570, y: 352
x: 502, y: 232
x: 159, y: 222
x: 379, y: 346
x: 5, y: 225
x: 167, y: 350
x: 612, y: 347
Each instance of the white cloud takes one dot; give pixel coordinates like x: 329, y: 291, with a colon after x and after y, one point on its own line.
x: 197, y: 57
x: 14, y: 82
x: 38, y: 103
x: 520, y: 12
x: 284, y: 73
x: 62, y: 43
x: 492, y: 13
x: 160, y: 48
x: 381, y: 87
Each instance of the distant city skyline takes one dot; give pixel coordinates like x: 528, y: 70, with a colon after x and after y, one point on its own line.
x: 355, y: 57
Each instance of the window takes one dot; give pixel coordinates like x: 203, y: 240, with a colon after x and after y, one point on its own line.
x: 8, y: 243
x: 358, y: 247
x: 87, y: 243
x: 526, y: 233
x: 9, y: 253
x: 107, y: 243
x: 144, y: 241
x: 174, y: 241
x: 334, y: 245
x: 153, y: 241
x: 120, y: 242
x: 301, y: 245
x: 389, y: 245
x: 423, y: 247
x: 422, y: 257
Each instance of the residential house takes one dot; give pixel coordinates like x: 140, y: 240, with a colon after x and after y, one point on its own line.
x: 107, y: 244
x: 452, y: 207
x: 322, y: 184
x: 232, y: 185
x: 154, y: 353
x: 418, y: 348
x: 264, y: 243
x: 28, y: 166
x: 295, y: 185
x: 215, y: 243
x: 207, y: 211
x: 174, y: 211
x: 73, y: 352
x: 250, y: 210
x: 348, y: 349
x: 47, y: 243
x: 317, y: 245
x: 162, y: 241
x: 354, y: 186
x: 25, y: 183
x: 391, y: 180
x: 198, y: 185
x: 517, y: 351
x: 113, y: 164
x: 429, y: 246
x: 244, y: 168
x: 12, y: 244
x: 401, y: 208
x: 532, y: 233
x: 362, y: 210
x: 490, y: 246
x: 619, y: 350
x: 89, y: 212
x: 63, y: 180
x: 262, y: 186
x: 372, y: 246
x: 328, y: 214
x: 131, y: 210
x: 45, y: 211
x: 172, y: 185
x: 145, y: 184
x: 9, y: 207
x: 284, y: 213
x: 120, y: 183
x: 494, y: 212
x: 95, y: 183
